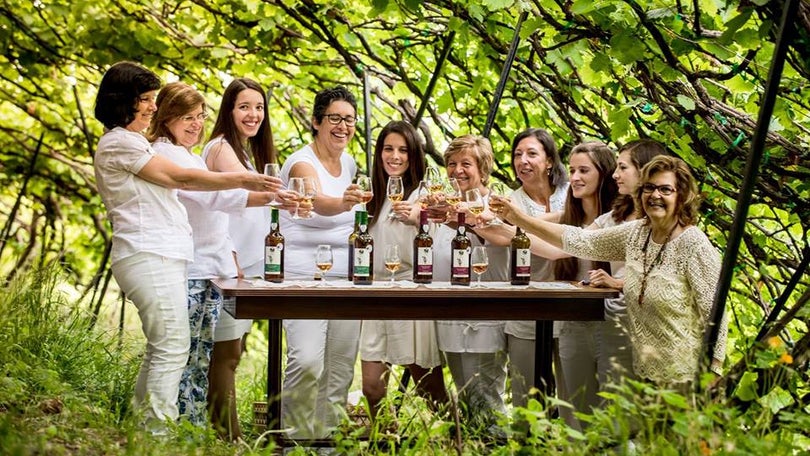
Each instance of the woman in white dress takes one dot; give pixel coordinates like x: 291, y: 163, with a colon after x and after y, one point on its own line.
x: 411, y: 343
x: 240, y: 140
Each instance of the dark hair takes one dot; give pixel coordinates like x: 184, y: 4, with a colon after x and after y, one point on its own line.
x: 416, y: 164
x: 119, y: 93
x: 557, y: 175
x: 174, y: 101
x: 687, y: 202
x: 260, y: 148
x: 326, y: 97
x: 641, y: 152
x: 574, y: 214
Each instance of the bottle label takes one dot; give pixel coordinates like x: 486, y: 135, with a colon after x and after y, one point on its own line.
x: 272, y: 258
x: 461, y: 263
x: 424, y: 261
x: 523, y: 263
x: 362, y: 262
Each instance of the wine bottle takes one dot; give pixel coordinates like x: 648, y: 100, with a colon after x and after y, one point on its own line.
x: 423, y: 252
x: 274, y: 251
x: 460, y: 256
x: 520, y: 270
x: 351, y: 244
x: 363, y: 273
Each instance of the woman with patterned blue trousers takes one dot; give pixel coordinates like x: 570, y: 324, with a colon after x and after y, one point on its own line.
x: 176, y: 127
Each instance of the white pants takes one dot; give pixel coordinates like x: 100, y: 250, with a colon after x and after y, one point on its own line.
x: 592, y: 353
x: 157, y: 287
x: 480, y: 378
x: 320, y: 368
x: 521, y: 368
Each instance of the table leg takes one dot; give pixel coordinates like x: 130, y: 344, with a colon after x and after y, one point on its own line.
x: 543, y: 354
x: 274, y: 375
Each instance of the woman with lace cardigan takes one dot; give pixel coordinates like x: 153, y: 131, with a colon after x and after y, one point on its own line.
x: 671, y: 271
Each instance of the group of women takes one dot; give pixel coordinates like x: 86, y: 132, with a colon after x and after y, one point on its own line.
x: 180, y: 220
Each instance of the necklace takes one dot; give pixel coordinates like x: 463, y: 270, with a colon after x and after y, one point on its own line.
x: 655, y: 262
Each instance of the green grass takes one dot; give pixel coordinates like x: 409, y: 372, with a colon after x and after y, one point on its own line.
x: 66, y: 386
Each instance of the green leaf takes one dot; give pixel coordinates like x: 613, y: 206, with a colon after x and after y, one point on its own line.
x: 776, y: 399
x: 686, y: 102
x: 747, y: 388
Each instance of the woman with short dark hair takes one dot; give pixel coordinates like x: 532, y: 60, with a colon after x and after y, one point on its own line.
x: 152, y: 241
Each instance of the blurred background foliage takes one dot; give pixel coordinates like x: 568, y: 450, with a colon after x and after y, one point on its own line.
x: 689, y: 74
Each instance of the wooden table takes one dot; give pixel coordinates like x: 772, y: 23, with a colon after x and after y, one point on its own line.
x: 340, y: 300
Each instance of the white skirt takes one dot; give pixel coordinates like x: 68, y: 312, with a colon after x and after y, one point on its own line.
x: 229, y: 328
x: 400, y: 342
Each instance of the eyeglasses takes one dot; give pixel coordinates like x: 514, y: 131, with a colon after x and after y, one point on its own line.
x: 199, y: 117
x: 335, y: 119
x: 665, y: 190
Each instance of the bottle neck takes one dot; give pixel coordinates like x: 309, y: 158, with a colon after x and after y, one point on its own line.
x: 423, y: 221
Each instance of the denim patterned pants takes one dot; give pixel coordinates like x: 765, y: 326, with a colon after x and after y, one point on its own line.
x: 204, y: 303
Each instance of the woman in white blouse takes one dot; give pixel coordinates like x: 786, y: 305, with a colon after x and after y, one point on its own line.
x: 670, y: 275
x: 152, y: 240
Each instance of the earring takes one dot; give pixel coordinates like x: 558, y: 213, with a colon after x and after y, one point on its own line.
x: 548, y: 171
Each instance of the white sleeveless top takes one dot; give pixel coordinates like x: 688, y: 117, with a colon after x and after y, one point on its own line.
x: 301, y: 237
x: 247, y: 228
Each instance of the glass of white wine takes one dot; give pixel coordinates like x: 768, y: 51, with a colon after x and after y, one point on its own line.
x: 500, y: 189
x: 310, y: 190
x: 364, y: 182
x: 480, y: 262
x: 273, y: 170
x: 475, y: 202
x: 297, y: 189
x: 433, y: 179
x: 323, y: 261
x: 392, y: 260
x: 395, y: 193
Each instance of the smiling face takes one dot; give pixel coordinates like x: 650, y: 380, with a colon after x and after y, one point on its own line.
x: 248, y: 113
x: 584, y: 176
x: 187, y: 128
x: 144, y: 110
x: 531, y: 162
x: 464, y: 168
x: 661, y: 209
x: 395, y: 155
x: 335, y: 137
x: 626, y: 174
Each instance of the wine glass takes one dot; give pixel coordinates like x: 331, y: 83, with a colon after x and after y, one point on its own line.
x: 364, y: 183
x: 395, y: 192
x: 310, y: 190
x: 433, y: 179
x: 323, y: 260
x: 297, y: 189
x: 452, y: 192
x: 392, y: 259
x: 423, y: 194
x: 475, y: 202
x: 500, y: 189
x: 479, y: 261
x: 273, y: 170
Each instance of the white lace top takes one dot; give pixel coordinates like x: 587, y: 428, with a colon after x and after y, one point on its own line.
x: 667, y: 327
